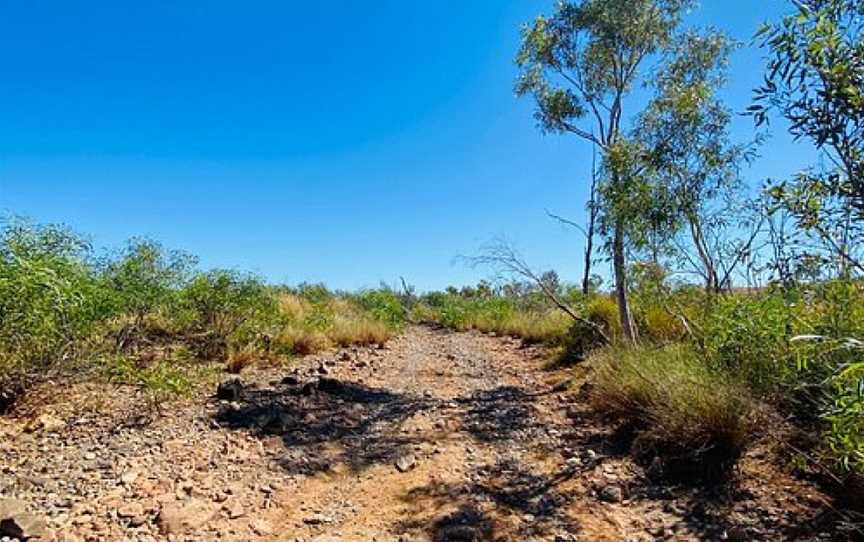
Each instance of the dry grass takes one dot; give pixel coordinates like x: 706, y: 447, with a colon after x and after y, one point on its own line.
x: 549, y: 327
x: 294, y: 307
x: 301, y: 342
x: 238, y: 361
x: 694, y: 417
x: 348, y: 331
x: 603, y: 311
x: 338, y: 322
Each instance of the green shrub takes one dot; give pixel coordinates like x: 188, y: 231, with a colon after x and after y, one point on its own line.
x: 50, y: 303
x: 145, y: 278
x: 603, y: 311
x: 749, y: 335
x: 228, y: 310
x: 383, y: 306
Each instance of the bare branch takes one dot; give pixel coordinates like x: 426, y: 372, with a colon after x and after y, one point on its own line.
x: 567, y: 222
x: 501, y: 256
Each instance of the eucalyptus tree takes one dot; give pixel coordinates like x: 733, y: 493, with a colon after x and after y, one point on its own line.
x: 815, y: 80
x: 580, y: 64
x: 684, y: 133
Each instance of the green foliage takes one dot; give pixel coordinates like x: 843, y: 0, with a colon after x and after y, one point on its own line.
x: 231, y: 309
x: 145, y: 277
x: 162, y: 380
x: 382, y: 305
x: 50, y: 303
x: 815, y: 81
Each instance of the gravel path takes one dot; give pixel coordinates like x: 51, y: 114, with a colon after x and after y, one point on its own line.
x: 439, y: 436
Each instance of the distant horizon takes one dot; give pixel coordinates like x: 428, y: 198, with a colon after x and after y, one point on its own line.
x: 282, y: 140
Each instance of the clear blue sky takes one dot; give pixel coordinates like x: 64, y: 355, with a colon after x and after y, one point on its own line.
x: 340, y: 141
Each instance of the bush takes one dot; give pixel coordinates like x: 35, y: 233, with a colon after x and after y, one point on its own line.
x: 50, y: 303
x: 603, y: 311
x: 348, y: 331
x: 749, y: 335
x: 229, y: 310
x: 549, y: 327
x: 145, y: 278
x: 383, y: 306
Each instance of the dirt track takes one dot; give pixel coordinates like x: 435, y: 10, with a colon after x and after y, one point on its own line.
x: 440, y: 436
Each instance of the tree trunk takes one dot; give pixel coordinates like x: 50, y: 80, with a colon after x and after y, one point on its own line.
x: 712, y: 281
x: 619, y: 265
x: 589, y: 249
x: 592, y: 221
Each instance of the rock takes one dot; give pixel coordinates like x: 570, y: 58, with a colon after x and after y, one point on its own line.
x: 461, y: 533
x: 89, y: 456
x: 235, y: 510
x: 333, y: 386
x: 309, y: 388
x: 656, y: 470
x: 130, y: 510
x: 323, y: 370
x: 611, y: 493
x: 344, y: 356
x: 736, y: 534
x: 129, y: 477
x: 277, y: 423
x: 405, y: 462
x: 261, y: 527
x: 45, y: 422
x: 17, y: 522
x: 185, y: 516
x: 318, y: 519
x: 291, y: 380
x: 230, y: 390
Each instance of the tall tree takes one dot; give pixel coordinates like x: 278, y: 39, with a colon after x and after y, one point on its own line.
x: 580, y: 64
x: 694, y: 168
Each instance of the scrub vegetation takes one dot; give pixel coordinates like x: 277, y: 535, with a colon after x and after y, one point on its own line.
x: 148, y: 315
x: 733, y: 313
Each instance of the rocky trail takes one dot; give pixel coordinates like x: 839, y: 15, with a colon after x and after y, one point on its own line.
x: 438, y: 436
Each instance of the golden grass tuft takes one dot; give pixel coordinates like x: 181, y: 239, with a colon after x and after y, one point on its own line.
x: 535, y: 328
x: 294, y: 307
x: 301, y: 342
x: 684, y: 410
x: 359, y: 331
x: 603, y: 311
x: 237, y: 361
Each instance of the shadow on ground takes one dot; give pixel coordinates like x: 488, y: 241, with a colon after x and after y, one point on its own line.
x: 505, y: 501
x: 329, y: 421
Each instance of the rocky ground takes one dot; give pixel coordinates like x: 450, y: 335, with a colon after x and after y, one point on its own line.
x: 439, y: 436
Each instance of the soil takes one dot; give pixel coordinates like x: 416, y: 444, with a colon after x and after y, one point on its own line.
x: 438, y: 436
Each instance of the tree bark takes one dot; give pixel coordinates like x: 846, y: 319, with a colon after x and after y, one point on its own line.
x: 619, y: 265
x: 592, y: 221
x: 712, y: 281
x: 589, y: 248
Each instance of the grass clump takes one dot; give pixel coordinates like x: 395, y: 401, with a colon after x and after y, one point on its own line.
x: 697, y: 419
x: 317, y: 319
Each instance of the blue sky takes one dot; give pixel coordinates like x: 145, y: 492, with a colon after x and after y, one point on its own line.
x: 344, y: 141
